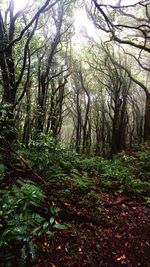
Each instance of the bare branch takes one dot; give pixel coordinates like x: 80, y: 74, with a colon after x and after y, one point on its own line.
x: 35, y: 17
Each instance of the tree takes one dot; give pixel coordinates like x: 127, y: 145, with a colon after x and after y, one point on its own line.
x: 120, y: 18
x: 81, y: 111
x: 12, y: 76
x: 47, y: 65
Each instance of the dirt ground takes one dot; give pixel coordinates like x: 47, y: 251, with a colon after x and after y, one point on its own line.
x: 116, y: 233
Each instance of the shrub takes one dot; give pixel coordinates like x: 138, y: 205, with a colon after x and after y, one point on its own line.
x: 23, y: 217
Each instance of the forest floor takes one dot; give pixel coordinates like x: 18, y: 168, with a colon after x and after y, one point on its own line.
x: 106, y: 217
x: 113, y: 230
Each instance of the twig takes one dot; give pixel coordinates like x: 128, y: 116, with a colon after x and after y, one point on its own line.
x: 24, y: 161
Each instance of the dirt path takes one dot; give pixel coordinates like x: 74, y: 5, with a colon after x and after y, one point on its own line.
x: 118, y: 235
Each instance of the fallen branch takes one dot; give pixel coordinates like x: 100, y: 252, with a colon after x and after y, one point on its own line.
x: 24, y: 162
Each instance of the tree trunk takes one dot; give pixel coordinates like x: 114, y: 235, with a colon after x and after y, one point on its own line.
x: 147, y: 119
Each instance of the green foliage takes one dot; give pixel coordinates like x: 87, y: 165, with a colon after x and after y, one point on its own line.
x: 44, y: 141
x: 120, y: 167
x: 3, y: 167
x: 18, y: 221
x: 144, y: 165
x: 46, y: 157
x: 73, y: 249
x: 82, y: 181
x: 92, y: 165
x: 122, y: 173
x: 147, y: 200
x: 71, y: 176
x: 18, y: 218
x: 2, y: 170
x: 94, y: 196
x: 24, y: 216
x: 138, y: 186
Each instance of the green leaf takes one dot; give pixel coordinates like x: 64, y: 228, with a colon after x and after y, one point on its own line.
x: 49, y: 233
x: 2, y: 168
x: 7, y: 231
x: 45, y: 225
x: 60, y: 226
x: 35, y: 230
x: 52, y: 219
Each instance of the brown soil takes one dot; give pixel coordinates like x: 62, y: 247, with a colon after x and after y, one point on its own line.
x: 115, y: 235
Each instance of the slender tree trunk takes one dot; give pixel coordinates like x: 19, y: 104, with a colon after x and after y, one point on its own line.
x: 79, y: 125
x: 115, y: 131
x: 147, y: 119
x: 27, y: 125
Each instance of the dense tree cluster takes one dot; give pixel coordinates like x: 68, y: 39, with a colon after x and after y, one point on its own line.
x: 74, y: 133
x: 95, y: 101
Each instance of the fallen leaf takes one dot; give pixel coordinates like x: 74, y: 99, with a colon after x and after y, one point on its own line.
x: 121, y: 257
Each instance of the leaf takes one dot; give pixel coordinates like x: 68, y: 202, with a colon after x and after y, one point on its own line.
x: 52, y: 219
x: 60, y: 226
x: 7, y: 231
x: 2, y: 168
x: 45, y: 225
x: 49, y: 233
x: 121, y: 257
x: 35, y: 230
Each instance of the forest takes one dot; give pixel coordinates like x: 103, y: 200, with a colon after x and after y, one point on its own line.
x: 74, y: 133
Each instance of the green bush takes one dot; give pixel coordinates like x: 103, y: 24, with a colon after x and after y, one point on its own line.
x: 60, y: 165
x: 123, y: 172
x: 139, y: 187
x: 144, y: 165
x: 24, y: 216
x: 90, y: 164
x: 46, y: 156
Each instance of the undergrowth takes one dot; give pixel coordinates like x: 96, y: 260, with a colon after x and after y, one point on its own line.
x: 25, y: 213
